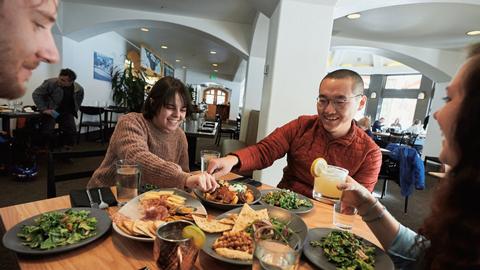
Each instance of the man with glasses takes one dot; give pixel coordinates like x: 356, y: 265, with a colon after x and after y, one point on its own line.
x: 59, y: 99
x: 331, y: 134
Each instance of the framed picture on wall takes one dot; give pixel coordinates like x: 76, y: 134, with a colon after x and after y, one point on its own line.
x: 168, y: 71
x: 150, y: 60
x: 102, y: 67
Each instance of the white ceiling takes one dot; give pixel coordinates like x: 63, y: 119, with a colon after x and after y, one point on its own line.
x: 432, y: 25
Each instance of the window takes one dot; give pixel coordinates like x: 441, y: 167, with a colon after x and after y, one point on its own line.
x: 366, y: 82
x: 401, y: 108
x: 403, y: 82
x: 215, y: 96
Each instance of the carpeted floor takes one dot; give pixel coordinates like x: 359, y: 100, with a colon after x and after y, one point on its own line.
x: 16, y: 192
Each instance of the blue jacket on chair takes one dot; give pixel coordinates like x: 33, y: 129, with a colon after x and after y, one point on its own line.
x: 412, y: 170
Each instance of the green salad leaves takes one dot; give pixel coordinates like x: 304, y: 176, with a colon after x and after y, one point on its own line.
x: 285, y: 199
x: 347, y: 251
x: 59, y: 229
x: 281, y: 232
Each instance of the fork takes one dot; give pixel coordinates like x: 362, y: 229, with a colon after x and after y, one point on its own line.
x: 102, y: 205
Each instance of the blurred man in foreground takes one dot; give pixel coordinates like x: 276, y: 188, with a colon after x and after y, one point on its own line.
x: 331, y: 135
x: 25, y: 41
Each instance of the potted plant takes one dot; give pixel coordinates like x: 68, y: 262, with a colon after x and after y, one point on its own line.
x: 192, y: 93
x: 128, y: 85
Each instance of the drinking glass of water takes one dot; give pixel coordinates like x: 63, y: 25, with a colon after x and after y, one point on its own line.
x: 206, y: 156
x: 127, y: 179
x: 275, y: 254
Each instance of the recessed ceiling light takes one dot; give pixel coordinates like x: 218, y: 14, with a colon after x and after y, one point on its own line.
x: 184, y: 67
x: 473, y: 33
x: 216, y: 70
x: 177, y: 60
x: 164, y: 47
x: 213, y: 52
x: 354, y: 16
x: 215, y: 65
x: 144, y: 29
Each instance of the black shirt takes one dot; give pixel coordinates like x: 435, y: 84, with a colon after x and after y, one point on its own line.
x: 67, y: 105
x: 377, y: 126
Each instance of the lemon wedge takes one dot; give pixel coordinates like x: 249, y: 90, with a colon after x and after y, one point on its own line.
x: 319, y: 165
x: 197, y: 234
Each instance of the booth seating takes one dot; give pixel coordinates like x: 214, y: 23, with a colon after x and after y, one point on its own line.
x: 250, y: 139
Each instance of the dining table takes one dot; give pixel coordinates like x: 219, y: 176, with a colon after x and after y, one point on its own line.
x: 114, y: 251
x: 7, y: 115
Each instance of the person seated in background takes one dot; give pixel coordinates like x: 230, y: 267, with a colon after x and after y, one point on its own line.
x: 154, y: 139
x: 397, y: 125
x: 331, y: 134
x: 378, y: 124
x: 416, y: 127
x: 447, y: 239
x: 365, y: 124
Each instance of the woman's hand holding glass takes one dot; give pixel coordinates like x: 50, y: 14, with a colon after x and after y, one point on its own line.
x: 204, y: 182
x: 356, y: 195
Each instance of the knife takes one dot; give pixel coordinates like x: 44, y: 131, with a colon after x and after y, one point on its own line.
x: 92, y: 204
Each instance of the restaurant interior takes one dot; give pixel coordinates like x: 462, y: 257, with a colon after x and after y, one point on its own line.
x: 238, y: 56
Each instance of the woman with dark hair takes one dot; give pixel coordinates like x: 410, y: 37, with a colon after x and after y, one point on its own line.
x: 448, y: 237
x: 154, y: 139
x: 397, y: 124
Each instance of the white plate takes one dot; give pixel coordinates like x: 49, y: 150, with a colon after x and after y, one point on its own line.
x: 134, y: 211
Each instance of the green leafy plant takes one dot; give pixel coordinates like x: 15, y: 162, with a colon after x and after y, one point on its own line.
x: 128, y: 85
x: 192, y: 91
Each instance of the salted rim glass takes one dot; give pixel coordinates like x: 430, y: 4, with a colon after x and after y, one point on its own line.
x: 338, y: 103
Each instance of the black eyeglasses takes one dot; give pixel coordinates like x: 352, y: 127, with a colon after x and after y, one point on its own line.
x: 338, y: 103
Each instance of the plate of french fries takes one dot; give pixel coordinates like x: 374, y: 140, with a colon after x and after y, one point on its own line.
x: 139, y: 230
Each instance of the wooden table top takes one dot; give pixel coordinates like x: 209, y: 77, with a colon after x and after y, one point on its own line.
x: 113, y: 251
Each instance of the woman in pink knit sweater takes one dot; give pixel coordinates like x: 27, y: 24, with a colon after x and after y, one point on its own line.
x: 154, y: 139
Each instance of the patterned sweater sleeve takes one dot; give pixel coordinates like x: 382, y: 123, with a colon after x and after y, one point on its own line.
x: 131, y: 143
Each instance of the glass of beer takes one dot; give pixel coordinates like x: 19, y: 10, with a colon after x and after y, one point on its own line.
x: 325, y: 186
x: 171, y: 251
x: 127, y: 180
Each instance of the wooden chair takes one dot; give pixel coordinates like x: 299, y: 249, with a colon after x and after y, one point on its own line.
x: 221, y: 130
x: 100, y: 124
x: 52, y: 178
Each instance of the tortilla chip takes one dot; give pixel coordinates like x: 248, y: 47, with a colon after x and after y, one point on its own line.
x: 212, y: 226
x: 245, y: 218
x: 227, y: 221
x: 234, y: 254
x: 144, y: 227
x: 233, y: 216
x: 262, y: 214
x: 121, y: 227
x: 129, y: 226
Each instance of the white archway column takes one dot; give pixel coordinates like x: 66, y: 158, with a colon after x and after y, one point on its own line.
x: 254, y: 75
x: 297, y: 52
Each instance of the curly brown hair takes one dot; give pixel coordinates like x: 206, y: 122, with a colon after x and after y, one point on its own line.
x: 452, y: 227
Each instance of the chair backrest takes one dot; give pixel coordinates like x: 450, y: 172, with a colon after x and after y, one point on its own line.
x: 92, y: 110
x: 412, y: 138
x: 218, y: 119
x: 252, y: 128
x: 52, y: 178
x: 396, y: 139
